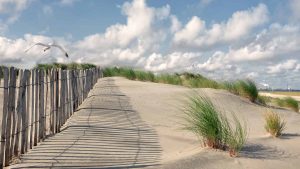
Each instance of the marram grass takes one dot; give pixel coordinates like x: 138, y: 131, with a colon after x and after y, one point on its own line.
x: 245, y: 88
x: 248, y: 89
x: 292, y: 103
x: 212, y: 127
x: 274, y: 124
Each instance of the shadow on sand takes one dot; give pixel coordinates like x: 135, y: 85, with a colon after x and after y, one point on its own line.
x: 104, y: 133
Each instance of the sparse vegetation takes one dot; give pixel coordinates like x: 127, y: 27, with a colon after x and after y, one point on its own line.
x: 212, y: 127
x: 71, y: 66
x: 264, y: 100
x: 288, y: 102
x: 237, y: 137
x: 248, y: 89
x: 274, y: 123
x: 292, y: 103
x: 168, y: 79
x: 231, y: 87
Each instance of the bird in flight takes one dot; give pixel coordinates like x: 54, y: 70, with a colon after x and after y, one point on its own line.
x: 48, y: 46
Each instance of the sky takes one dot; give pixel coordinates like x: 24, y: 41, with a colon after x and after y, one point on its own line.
x: 221, y: 39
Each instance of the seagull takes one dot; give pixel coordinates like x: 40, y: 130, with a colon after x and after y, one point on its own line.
x: 48, y: 46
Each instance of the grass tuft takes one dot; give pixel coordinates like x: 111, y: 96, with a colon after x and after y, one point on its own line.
x: 237, y: 137
x: 292, y: 103
x: 274, y: 124
x: 212, y: 127
x: 248, y: 89
x: 288, y: 102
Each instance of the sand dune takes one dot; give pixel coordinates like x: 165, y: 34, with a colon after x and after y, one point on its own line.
x: 159, y: 105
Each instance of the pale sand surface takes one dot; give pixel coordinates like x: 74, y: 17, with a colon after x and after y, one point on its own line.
x: 159, y: 105
x: 278, y: 95
x: 95, y: 135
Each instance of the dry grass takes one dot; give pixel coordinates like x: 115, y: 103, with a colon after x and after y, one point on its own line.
x: 274, y: 123
x: 287, y: 93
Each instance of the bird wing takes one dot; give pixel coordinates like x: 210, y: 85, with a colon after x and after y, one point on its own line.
x: 61, y: 48
x: 40, y: 44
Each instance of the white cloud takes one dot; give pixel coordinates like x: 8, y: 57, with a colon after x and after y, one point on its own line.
x: 179, y: 61
x: 195, y: 34
x: 12, y: 52
x: 122, y: 43
x: 277, y: 42
x: 289, y: 65
x: 175, y: 24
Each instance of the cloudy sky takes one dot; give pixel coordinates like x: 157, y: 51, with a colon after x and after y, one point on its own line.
x: 221, y: 39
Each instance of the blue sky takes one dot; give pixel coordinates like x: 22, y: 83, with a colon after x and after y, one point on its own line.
x: 222, y: 39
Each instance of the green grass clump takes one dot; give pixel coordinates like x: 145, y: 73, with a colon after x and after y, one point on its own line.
x: 230, y: 86
x: 70, y: 66
x: 279, y: 102
x: 129, y: 73
x: 205, y: 121
x: 168, y: 79
x: 292, y: 103
x: 264, y: 100
x: 237, y: 137
x: 248, y: 89
x: 212, y: 127
x: 287, y: 102
x: 274, y: 124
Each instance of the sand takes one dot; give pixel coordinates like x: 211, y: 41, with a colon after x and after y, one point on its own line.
x: 160, y: 106
x: 274, y: 95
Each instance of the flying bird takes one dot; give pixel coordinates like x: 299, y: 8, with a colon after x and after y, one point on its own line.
x: 48, y: 46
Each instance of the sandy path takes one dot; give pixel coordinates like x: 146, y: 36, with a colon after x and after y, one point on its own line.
x: 105, y: 133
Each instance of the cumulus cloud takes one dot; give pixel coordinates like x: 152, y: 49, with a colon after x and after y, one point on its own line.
x: 289, y: 65
x: 277, y: 42
x: 174, y: 61
x: 12, y: 52
x: 195, y: 33
x: 128, y: 42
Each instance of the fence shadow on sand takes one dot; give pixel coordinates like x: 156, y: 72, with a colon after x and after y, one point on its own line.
x: 104, y: 133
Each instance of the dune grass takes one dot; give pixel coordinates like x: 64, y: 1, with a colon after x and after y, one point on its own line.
x: 274, y: 124
x: 248, y: 89
x: 237, y: 137
x: 231, y: 87
x: 287, y: 102
x: 212, y: 127
x: 264, y: 100
x: 168, y: 79
x: 245, y: 88
x: 70, y: 66
x: 292, y: 103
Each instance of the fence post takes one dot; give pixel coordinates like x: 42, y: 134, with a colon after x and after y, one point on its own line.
x: 15, y: 133
x: 37, y: 82
x: 32, y: 120
x: 4, y: 139
x: 11, y: 112
x: 23, y: 111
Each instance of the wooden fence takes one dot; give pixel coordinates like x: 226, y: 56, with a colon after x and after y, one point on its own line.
x: 36, y: 103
